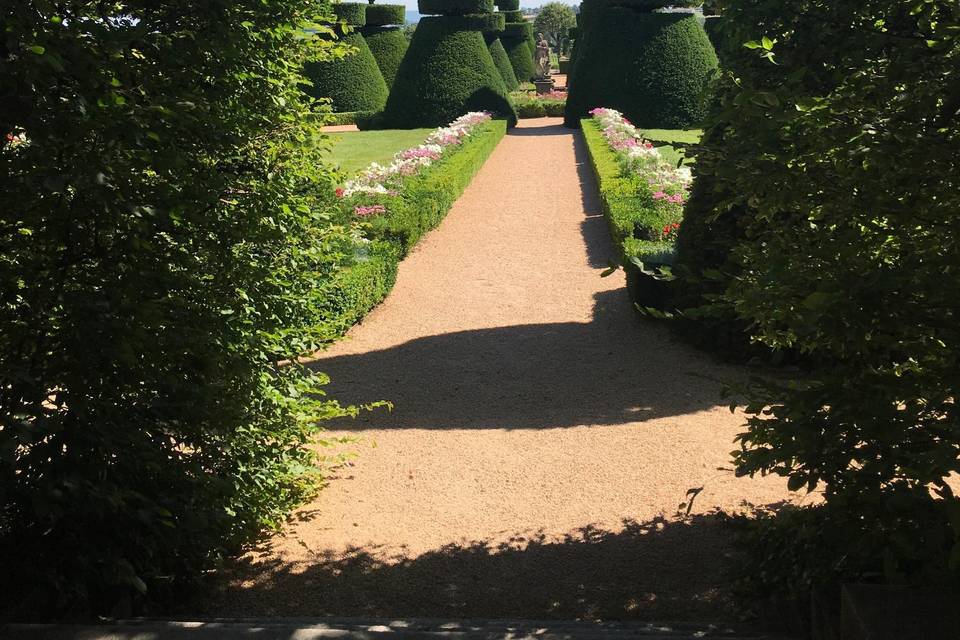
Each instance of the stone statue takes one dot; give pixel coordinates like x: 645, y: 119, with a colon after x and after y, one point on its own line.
x: 542, y: 58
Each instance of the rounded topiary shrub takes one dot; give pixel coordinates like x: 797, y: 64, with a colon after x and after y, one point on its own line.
x: 521, y: 57
x: 651, y: 66
x: 454, y: 7
x: 388, y: 46
x: 353, y: 83
x: 502, y: 61
x: 447, y: 71
x: 353, y: 13
x: 379, y: 15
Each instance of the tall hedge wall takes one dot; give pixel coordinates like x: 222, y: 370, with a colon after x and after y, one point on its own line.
x: 653, y: 67
x: 447, y: 71
x: 353, y: 83
x: 388, y: 46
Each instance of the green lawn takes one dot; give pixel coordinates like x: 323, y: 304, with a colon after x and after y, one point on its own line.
x: 663, y: 137
x: 354, y: 150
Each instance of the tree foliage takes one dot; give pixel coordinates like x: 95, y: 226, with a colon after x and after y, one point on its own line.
x: 553, y: 21
x: 162, y: 217
x: 834, y: 145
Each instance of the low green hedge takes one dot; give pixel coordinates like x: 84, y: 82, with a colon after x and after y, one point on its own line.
x: 422, y: 205
x: 518, y: 29
x: 348, y: 117
x: 454, y: 7
x: 379, y: 15
x: 635, y: 221
x: 532, y: 107
x: 353, y: 13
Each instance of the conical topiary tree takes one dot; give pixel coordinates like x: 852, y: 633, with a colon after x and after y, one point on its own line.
x: 516, y: 41
x: 448, y: 69
x: 651, y: 66
x: 385, y: 38
x: 502, y: 61
x: 354, y: 82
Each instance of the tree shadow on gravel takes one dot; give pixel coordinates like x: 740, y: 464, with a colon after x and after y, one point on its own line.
x: 663, y: 569
x: 616, y: 369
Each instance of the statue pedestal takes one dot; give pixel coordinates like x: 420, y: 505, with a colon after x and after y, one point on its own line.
x: 543, y: 86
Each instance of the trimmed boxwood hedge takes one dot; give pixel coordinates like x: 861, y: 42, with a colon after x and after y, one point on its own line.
x: 518, y: 29
x: 379, y: 15
x: 447, y: 71
x: 653, y: 67
x: 626, y: 203
x: 507, y: 5
x: 348, y: 117
x: 535, y: 108
x: 521, y: 57
x: 454, y: 7
x: 353, y: 83
x: 353, y: 13
x: 502, y: 62
x: 388, y: 46
x: 425, y: 201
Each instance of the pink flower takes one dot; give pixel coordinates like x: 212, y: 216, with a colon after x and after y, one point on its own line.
x: 660, y: 195
x: 363, y: 212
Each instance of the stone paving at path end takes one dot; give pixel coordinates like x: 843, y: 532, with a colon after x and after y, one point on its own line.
x: 543, y: 438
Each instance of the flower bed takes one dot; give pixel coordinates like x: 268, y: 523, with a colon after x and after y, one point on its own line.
x: 643, y: 195
x: 390, y: 207
x: 530, y: 105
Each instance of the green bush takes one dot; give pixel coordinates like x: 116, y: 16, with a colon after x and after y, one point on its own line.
x: 454, y: 7
x: 353, y: 13
x: 424, y: 202
x: 653, y: 67
x: 447, y: 71
x: 840, y: 161
x: 165, y: 227
x: 388, y: 46
x: 380, y: 15
x: 518, y: 30
x: 512, y: 16
x: 507, y: 5
x: 347, y: 117
x: 502, y: 62
x: 352, y: 83
x: 635, y: 220
x: 521, y: 57
x: 533, y: 107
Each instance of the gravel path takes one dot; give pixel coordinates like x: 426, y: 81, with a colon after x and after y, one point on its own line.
x: 543, y: 437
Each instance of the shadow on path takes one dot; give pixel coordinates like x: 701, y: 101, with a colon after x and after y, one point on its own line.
x: 614, y: 370
x: 660, y: 569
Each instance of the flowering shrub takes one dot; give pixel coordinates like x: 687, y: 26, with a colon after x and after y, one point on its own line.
x: 640, y: 157
x: 378, y: 180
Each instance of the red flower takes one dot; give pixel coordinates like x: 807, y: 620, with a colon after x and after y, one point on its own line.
x: 339, y: 192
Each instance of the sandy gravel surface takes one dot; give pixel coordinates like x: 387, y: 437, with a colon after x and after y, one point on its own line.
x: 543, y: 436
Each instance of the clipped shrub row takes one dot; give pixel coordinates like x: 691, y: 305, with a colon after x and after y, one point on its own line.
x: 532, y: 106
x: 424, y: 201
x: 637, y: 222
x: 348, y: 117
